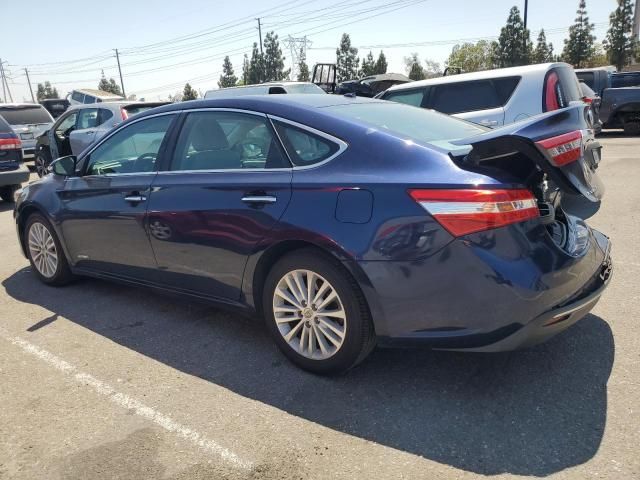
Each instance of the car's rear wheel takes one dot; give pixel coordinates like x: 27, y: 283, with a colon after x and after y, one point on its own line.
x: 316, y: 313
x: 45, y: 252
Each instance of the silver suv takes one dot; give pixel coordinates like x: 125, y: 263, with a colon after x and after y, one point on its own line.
x: 80, y: 126
x: 28, y: 121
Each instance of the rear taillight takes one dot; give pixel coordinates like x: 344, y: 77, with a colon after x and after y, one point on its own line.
x: 10, y: 144
x: 550, y: 96
x: 464, y: 211
x: 563, y: 149
x: 588, y: 100
x: 124, y: 114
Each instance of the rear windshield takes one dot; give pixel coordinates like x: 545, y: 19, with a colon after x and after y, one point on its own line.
x: 625, y: 79
x: 25, y: 115
x: 4, y: 126
x: 304, y: 88
x: 413, y: 123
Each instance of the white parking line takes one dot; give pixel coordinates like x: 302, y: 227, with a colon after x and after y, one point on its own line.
x: 128, y: 402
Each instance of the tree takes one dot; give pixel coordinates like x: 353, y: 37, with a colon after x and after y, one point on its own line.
x: 473, y: 57
x: 432, y: 69
x: 245, y: 71
x: 189, y: 93
x: 414, y: 69
x: 303, y: 68
x: 578, y: 48
x: 46, y: 91
x: 620, y: 43
x: 544, y: 51
x: 599, y: 57
x: 368, y: 65
x: 228, y: 78
x: 514, y: 46
x: 109, y: 85
x: 255, y: 66
x: 273, y: 59
x: 381, y: 64
x: 347, y: 60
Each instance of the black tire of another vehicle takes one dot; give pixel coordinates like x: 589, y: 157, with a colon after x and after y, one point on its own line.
x: 42, y: 161
x: 7, y: 193
x: 62, y: 275
x: 359, y: 339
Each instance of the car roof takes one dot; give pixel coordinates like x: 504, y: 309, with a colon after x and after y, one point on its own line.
x: 540, y: 68
x: 97, y: 93
x: 20, y: 105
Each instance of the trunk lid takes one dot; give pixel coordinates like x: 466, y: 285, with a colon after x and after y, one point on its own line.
x: 557, y: 146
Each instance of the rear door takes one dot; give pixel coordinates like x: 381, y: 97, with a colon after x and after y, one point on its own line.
x: 227, y: 182
x: 85, y: 132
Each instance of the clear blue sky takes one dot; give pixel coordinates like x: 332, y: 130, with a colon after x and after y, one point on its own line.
x: 82, y: 33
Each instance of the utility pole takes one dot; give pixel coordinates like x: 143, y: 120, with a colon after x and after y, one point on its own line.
x: 261, y: 52
x: 4, y: 92
x: 524, y: 40
x: 120, y: 72
x: 5, y: 83
x: 26, y: 72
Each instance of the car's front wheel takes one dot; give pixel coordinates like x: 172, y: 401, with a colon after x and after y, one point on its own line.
x: 316, y: 313
x: 42, y: 162
x: 45, y: 252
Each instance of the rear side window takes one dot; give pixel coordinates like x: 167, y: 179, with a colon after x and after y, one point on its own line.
x: 588, y: 78
x: 408, y: 97
x: 625, y: 80
x: 104, y: 115
x: 89, y: 99
x: 25, y: 115
x: 464, y: 97
x: 304, y: 147
x: 78, y: 97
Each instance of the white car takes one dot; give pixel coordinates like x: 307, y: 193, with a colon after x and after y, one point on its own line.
x: 494, y: 97
x: 268, y: 88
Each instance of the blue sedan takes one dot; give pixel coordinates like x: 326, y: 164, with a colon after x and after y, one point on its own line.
x: 343, y: 222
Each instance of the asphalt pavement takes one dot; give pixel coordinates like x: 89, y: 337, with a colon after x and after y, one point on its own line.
x: 104, y: 381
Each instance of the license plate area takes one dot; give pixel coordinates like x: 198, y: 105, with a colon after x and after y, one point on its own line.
x: 26, y: 136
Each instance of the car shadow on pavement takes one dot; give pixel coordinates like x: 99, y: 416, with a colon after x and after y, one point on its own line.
x: 5, y: 206
x: 532, y: 412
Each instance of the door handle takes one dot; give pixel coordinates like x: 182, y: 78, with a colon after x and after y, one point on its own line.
x: 256, y: 199
x: 489, y: 123
x: 90, y: 132
x: 135, y: 198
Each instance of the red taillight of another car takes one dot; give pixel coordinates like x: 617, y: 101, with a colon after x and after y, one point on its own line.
x: 550, y: 95
x: 464, y: 211
x: 124, y: 114
x: 563, y: 149
x: 10, y: 144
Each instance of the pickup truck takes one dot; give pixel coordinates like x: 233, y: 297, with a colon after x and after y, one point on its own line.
x: 619, y: 107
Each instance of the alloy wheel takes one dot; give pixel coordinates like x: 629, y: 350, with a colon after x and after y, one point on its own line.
x: 309, y: 314
x: 43, y: 250
x: 41, y: 166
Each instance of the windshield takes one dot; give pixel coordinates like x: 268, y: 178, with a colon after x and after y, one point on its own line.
x: 418, y: 124
x: 25, y: 115
x: 304, y: 88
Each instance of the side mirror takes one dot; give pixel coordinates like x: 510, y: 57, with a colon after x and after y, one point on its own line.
x: 64, y: 166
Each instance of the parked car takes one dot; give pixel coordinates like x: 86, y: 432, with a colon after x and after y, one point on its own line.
x: 80, y: 126
x: 625, y: 79
x: 268, y: 88
x: 372, y: 85
x: 28, y: 121
x: 342, y: 221
x: 619, y: 107
x: 90, y: 95
x: 12, y: 171
x: 494, y: 97
x: 593, y: 99
x: 55, y: 106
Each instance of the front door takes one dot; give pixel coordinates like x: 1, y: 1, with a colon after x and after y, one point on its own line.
x: 226, y: 185
x: 104, y: 210
x: 85, y: 131
x: 58, y: 135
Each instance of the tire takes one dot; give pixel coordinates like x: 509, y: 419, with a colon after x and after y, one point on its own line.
x: 631, y: 128
x: 7, y: 193
x: 41, y: 162
x: 37, y: 232
x: 325, y: 351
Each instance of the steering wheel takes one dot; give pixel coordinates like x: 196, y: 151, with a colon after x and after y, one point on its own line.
x: 145, y: 156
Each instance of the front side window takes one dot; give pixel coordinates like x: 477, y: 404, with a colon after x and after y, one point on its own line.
x: 227, y: 141
x: 68, y: 122
x: 408, y: 97
x: 305, y: 148
x: 88, y: 118
x: 133, y: 149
